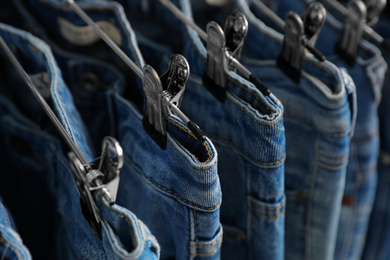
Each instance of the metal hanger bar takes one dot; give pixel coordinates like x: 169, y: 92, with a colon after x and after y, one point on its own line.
x: 182, y: 17
x: 42, y: 102
x: 106, y: 38
x: 367, y: 29
x: 271, y: 14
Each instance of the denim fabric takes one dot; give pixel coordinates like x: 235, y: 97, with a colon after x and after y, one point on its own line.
x: 378, y: 235
x: 11, y: 244
x: 368, y: 75
x: 320, y: 114
x: 38, y: 186
x: 247, y: 130
x: 176, y: 191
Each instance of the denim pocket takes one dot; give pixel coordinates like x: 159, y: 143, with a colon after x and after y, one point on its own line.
x: 207, y: 249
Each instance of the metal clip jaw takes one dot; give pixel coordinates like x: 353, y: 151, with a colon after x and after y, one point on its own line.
x: 301, y: 33
x: 216, y: 57
x: 353, y: 31
x: 164, y: 96
x: 314, y: 17
x: 290, y: 60
x: 374, y: 10
x: 99, y: 178
x: 221, y: 47
x: 236, y: 29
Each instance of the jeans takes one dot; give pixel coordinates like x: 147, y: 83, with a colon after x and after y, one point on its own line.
x: 368, y: 75
x: 175, y: 191
x: 246, y: 128
x: 377, y: 239
x: 41, y: 191
x: 320, y: 114
x: 11, y: 244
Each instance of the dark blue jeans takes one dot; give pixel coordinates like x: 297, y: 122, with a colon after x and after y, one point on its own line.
x: 38, y: 185
x: 175, y: 191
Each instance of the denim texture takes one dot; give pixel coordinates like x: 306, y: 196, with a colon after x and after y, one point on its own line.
x: 176, y: 191
x: 361, y: 179
x: 41, y: 191
x: 247, y: 130
x: 11, y: 244
x: 378, y: 239
x: 320, y: 115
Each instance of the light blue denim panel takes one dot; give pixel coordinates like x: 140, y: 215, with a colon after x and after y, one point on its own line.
x: 378, y: 235
x: 11, y: 244
x: 361, y: 179
x: 176, y: 191
x: 41, y: 190
x: 180, y: 183
x: 247, y: 130
x: 320, y: 114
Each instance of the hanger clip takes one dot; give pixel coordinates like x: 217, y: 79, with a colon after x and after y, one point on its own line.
x: 236, y: 29
x: 101, y: 177
x: 300, y: 33
x: 353, y: 31
x: 161, y: 94
x: 290, y: 60
x: 374, y: 11
x: 222, y: 44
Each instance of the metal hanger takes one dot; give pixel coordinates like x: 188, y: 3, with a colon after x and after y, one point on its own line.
x: 98, y: 178
x: 222, y: 53
x: 299, y: 33
x: 347, y: 12
x: 161, y: 100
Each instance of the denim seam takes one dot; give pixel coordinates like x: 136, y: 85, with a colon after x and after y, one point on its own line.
x: 266, y: 216
x: 184, y: 200
x: 257, y: 120
x: 245, y: 153
x: 309, y: 211
x: 167, y: 190
x: 212, y: 244
x: 336, y: 168
x: 192, y: 135
x: 364, y: 138
x: 310, y: 123
x: 251, y: 91
x: 195, y: 167
x: 258, y: 205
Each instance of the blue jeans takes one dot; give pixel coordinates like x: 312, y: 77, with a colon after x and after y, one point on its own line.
x: 320, y: 114
x: 368, y: 75
x: 11, y: 244
x: 41, y: 191
x: 247, y: 130
x: 377, y: 239
x: 176, y: 191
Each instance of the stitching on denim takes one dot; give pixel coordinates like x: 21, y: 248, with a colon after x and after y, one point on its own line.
x: 192, y: 135
x: 212, y: 244
x: 208, y: 254
x: 365, y: 138
x: 184, y: 200
x: 250, y: 91
x: 258, y: 205
x: 196, y: 167
x: 309, y: 211
x: 332, y: 157
x: 257, y: 120
x: 245, y: 153
x: 170, y: 191
x: 266, y: 216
